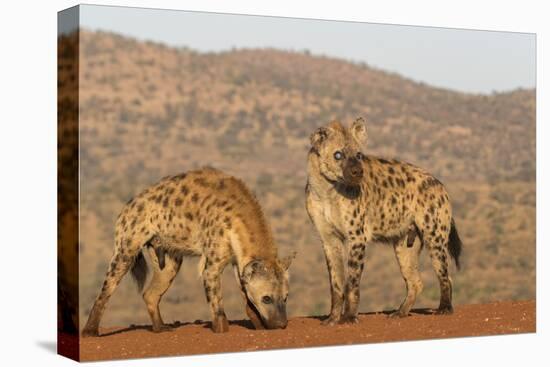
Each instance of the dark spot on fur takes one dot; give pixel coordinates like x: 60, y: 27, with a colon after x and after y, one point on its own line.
x: 189, y: 216
x: 184, y: 190
x: 195, y: 198
x: 429, y: 182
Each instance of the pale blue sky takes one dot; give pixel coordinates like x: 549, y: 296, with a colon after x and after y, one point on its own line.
x: 464, y: 60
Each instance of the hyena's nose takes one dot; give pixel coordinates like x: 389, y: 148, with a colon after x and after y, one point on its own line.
x: 283, y: 324
x: 356, y: 171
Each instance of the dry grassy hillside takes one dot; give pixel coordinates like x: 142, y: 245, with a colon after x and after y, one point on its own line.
x: 148, y: 110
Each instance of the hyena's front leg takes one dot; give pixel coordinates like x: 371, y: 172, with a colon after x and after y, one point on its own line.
x: 212, y: 287
x: 334, y: 254
x: 356, y: 262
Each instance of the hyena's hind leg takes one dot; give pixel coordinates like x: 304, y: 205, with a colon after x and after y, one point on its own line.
x: 439, y: 255
x: 407, y: 252
x: 163, y: 275
x: 123, y: 258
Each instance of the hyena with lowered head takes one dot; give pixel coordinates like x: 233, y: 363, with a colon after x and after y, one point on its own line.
x: 202, y: 213
x: 354, y: 200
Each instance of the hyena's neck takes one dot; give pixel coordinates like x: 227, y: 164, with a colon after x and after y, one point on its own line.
x: 318, y: 185
x: 251, y: 239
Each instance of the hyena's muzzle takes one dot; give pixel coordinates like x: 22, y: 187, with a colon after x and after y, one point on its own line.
x: 353, y: 171
x: 276, y: 316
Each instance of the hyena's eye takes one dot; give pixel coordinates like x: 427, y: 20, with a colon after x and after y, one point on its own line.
x: 359, y: 156
x: 338, y: 155
x: 267, y: 300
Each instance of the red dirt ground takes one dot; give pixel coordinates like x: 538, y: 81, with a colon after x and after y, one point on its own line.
x: 197, y: 338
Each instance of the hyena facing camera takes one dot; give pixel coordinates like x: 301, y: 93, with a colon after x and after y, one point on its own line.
x: 354, y: 200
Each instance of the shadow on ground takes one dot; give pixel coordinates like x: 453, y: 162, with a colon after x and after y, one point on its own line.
x: 48, y: 345
x: 247, y: 324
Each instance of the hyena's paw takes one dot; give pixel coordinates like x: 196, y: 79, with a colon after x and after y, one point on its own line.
x: 220, y: 324
x: 161, y: 328
x: 254, y: 318
x: 331, y: 320
x: 90, y: 332
x: 349, y: 319
x: 398, y: 314
x: 444, y: 310
x: 257, y: 324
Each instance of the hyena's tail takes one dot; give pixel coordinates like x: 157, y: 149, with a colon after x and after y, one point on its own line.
x: 455, y: 244
x: 139, y: 270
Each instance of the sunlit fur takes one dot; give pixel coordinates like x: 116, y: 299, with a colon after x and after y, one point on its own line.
x: 203, y: 213
x: 361, y: 199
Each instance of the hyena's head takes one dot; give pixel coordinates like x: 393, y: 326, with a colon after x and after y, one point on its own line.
x: 339, y: 151
x: 266, y: 287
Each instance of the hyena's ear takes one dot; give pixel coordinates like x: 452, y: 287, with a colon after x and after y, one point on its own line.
x: 359, y: 130
x: 318, y: 137
x: 287, y: 260
x: 251, y: 269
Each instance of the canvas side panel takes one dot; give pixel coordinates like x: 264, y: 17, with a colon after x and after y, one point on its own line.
x: 67, y: 182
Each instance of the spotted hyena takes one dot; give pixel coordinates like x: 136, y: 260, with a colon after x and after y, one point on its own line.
x: 355, y: 200
x: 202, y: 213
